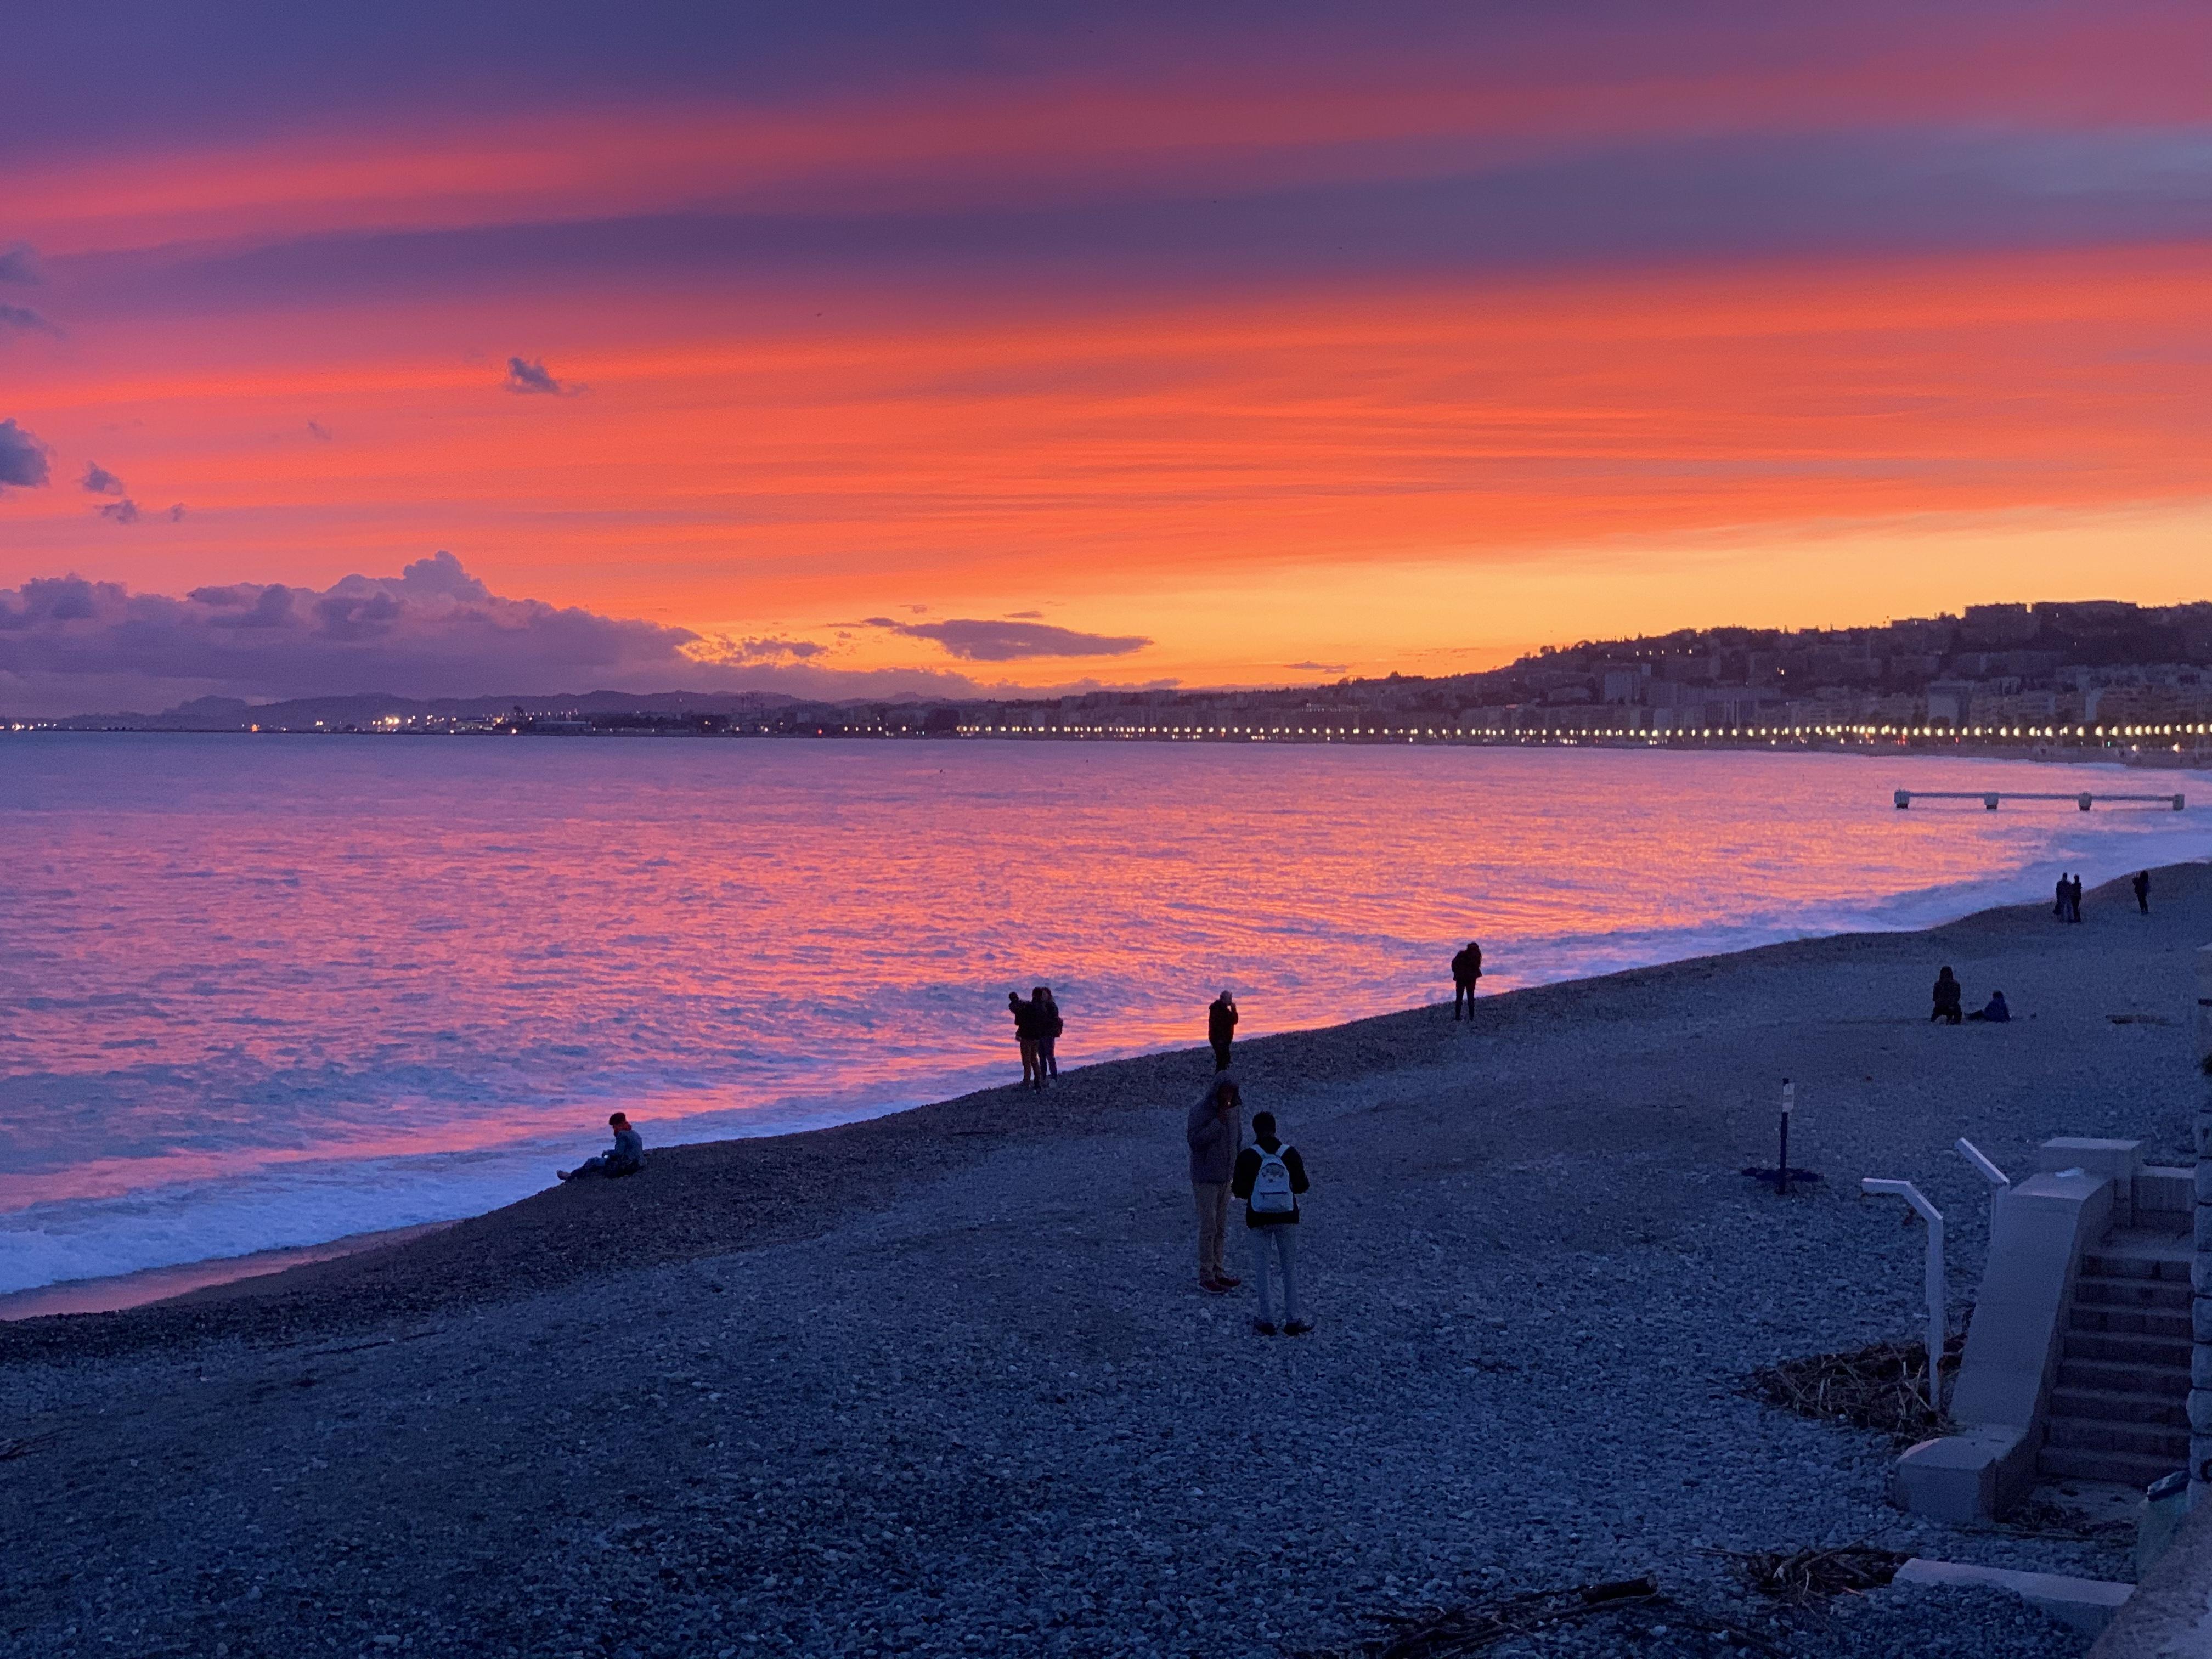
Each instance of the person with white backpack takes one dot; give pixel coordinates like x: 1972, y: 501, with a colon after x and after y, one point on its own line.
x: 1269, y: 1178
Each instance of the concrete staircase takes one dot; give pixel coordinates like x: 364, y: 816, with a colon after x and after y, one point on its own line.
x: 2119, y: 1412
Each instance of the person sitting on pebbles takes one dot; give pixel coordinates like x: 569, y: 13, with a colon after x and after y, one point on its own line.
x: 626, y: 1156
x: 1269, y: 1178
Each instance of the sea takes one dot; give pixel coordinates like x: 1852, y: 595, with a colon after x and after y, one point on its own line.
x: 260, y: 993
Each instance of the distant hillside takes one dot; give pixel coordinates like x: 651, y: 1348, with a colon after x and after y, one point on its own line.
x: 2010, y: 666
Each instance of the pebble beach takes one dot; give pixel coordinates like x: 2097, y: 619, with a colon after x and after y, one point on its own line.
x: 942, y: 1382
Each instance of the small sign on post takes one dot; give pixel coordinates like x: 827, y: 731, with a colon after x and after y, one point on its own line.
x: 1782, y: 1164
x: 1783, y: 1173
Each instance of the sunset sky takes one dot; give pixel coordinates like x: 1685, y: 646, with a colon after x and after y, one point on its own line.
x: 844, y: 349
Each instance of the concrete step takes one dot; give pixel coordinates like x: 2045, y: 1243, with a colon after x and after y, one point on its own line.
x: 2114, y: 1405
x: 2131, y: 1293
x: 2164, y: 1323
x: 2121, y: 1378
x: 2073, y: 1464
x: 2138, y: 1262
x: 2085, y: 1604
x: 2157, y: 1352
x: 2140, y: 1439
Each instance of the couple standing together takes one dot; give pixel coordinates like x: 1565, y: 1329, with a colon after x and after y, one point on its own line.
x: 1037, y: 1026
x: 1268, y: 1177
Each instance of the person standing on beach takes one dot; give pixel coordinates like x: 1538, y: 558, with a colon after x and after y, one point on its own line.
x: 1221, y: 1027
x: 1269, y: 1178
x: 1948, y: 994
x: 2065, y: 892
x: 1024, y: 1015
x: 2074, y: 898
x: 1467, y: 970
x: 1046, y: 1013
x: 1215, y: 1130
x: 2141, y: 885
x: 625, y: 1157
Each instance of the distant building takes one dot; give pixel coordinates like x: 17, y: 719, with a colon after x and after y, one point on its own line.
x: 1950, y: 702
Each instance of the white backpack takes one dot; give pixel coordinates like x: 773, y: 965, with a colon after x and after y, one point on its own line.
x: 1271, y: 1187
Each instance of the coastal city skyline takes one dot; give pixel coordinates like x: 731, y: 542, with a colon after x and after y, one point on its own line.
x: 844, y: 356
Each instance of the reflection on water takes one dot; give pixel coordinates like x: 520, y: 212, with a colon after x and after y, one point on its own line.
x: 258, y: 992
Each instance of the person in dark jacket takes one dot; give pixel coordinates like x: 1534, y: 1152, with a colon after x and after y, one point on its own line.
x: 1221, y: 1027
x: 1215, y: 1130
x: 2065, y: 891
x: 626, y: 1156
x: 2074, y: 898
x: 1947, y: 993
x: 1269, y: 1178
x: 1025, y: 1031
x: 1049, y: 1025
x: 1998, y: 1013
x: 2141, y: 885
x: 1467, y: 970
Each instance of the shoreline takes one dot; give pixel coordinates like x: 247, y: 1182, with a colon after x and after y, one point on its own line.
x: 940, y: 1384
x: 205, y: 1277
x: 116, y: 1292
x: 537, y: 1239
x: 2118, y: 748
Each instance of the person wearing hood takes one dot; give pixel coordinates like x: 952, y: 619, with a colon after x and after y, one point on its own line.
x: 1998, y: 1013
x: 1947, y: 993
x: 1215, y: 1131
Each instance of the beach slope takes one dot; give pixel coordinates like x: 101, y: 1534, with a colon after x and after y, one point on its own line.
x: 942, y: 1382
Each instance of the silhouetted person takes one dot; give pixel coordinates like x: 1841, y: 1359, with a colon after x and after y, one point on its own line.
x: 2141, y: 885
x: 2065, y: 891
x: 2074, y: 898
x: 1998, y: 1013
x: 1221, y: 1027
x: 1026, y: 1030
x: 1947, y: 999
x: 1269, y: 1178
x: 1467, y: 970
x: 625, y: 1157
x: 1215, y: 1130
x: 1049, y: 1025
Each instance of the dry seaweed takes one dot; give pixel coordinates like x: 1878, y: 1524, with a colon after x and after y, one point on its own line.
x: 1882, y: 1386
x: 1802, y: 1578
x: 2039, y: 1517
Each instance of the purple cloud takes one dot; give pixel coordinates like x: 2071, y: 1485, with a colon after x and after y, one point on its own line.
x: 123, y: 512
x: 99, y: 481
x: 974, y: 640
x: 26, y: 321
x: 23, y: 457
x: 71, y: 646
x: 433, y: 629
x: 532, y: 378
x: 318, y: 430
x: 19, y: 263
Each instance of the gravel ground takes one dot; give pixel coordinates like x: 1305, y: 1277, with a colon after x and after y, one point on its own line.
x: 941, y: 1383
